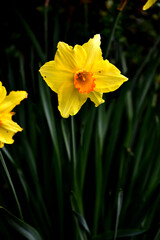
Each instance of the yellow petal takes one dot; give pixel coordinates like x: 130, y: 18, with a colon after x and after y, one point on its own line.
x: 6, y: 116
x: 10, y: 125
x: 96, y: 97
x: 148, y: 4
x: 54, y: 77
x: 8, y: 129
x: 6, y: 136
x: 105, y: 66
x: 68, y: 58
x: 2, y: 92
x: 1, y: 144
x: 13, y: 99
x: 70, y: 100
x: 93, y: 51
x: 108, y: 77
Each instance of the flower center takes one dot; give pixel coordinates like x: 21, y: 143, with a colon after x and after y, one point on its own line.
x: 84, y: 81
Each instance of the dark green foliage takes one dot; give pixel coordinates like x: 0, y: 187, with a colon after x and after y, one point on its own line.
x: 95, y: 175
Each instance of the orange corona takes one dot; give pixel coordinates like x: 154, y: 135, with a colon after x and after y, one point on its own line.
x: 84, y: 81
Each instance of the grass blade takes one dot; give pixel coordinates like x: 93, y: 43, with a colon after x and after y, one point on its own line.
x: 20, y: 226
x: 31, y: 36
x: 119, y: 206
x: 11, y: 184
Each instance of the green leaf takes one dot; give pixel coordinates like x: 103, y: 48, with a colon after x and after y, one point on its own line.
x: 157, y: 237
x: 67, y: 137
x: 119, y: 206
x: 120, y: 234
x: 11, y: 184
x: 49, y: 114
x: 32, y: 36
x: 82, y: 221
x: 20, y: 226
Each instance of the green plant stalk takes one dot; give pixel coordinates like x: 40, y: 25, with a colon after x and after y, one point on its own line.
x: 119, y: 206
x: 73, y: 146
x: 129, y: 105
x: 157, y: 235
x: 85, y: 147
x: 11, y: 184
x: 47, y: 106
x: 46, y: 29
x: 146, y: 60
x: 98, y: 185
x: 32, y: 37
x: 66, y: 138
x: 74, y: 168
x: 112, y: 33
x: 23, y: 228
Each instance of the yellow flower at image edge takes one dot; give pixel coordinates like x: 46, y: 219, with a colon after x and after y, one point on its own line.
x: 148, y: 4
x: 7, y: 126
x: 79, y: 73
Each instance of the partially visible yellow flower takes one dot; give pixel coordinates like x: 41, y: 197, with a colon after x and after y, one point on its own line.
x: 79, y: 73
x: 148, y: 4
x: 7, y: 126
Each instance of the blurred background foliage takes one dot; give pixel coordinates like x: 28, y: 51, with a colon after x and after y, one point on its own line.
x: 97, y: 175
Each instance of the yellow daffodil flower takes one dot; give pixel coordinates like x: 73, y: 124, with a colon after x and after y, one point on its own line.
x: 79, y: 73
x: 148, y: 4
x: 7, y: 126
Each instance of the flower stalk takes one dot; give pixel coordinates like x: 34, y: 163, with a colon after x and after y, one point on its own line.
x: 11, y: 184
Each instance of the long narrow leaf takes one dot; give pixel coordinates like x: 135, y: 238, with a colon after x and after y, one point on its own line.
x: 20, y: 226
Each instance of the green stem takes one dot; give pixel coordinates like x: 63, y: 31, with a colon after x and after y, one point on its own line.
x: 46, y: 30
x: 32, y: 36
x: 98, y: 184
x: 73, y: 146
x: 119, y: 206
x: 145, y: 62
x: 74, y: 169
x: 112, y: 33
x: 11, y: 184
